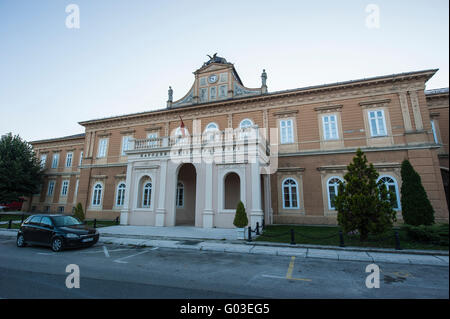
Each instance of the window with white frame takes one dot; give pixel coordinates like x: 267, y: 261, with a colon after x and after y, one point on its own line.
x: 51, y: 187
x: 81, y: 158
x: 64, y: 188
x: 55, y: 160
x: 210, y: 130
x: 287, y: 131
x: 330, y: 128
x: 43, y: 160
x: 332, y: 189
x: 180, y: 195
x: 377, y: 123
x: 120, y: 194
x: 153, y: 135
x: 433, y: 128
x: 69, y: 159
x: 391, y: 184
x: 290, y: 193
x: 246, y: 128
x: 102, y: 147
x: 147, y: 194
x: 97, y: 195
x: 125, y: 140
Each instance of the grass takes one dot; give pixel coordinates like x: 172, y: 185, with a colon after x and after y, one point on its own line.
x: 329, y: 235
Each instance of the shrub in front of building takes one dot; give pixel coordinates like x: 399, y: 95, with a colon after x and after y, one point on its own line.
x: 78, y: 213
x: 416, y: 207
x: 431, y: 234
x: 240, y: 219
x: 363, y: 204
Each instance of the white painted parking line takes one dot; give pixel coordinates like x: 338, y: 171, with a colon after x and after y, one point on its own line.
x: 46, y: 254
x: 105, y: 250
x: 120, y: 260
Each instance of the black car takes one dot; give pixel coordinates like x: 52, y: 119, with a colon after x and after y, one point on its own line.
x: 56, y: 231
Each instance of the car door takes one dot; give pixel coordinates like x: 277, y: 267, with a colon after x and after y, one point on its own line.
x: 31, y: 232
x: 44, y: 232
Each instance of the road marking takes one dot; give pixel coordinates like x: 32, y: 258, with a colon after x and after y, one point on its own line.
x: 46, y: 254
x: 102, y: 251
x: 120, y: 260
x: 291, y: 269
x: 105, y: 250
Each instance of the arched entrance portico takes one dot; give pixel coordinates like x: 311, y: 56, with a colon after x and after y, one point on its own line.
x: 185, y: 195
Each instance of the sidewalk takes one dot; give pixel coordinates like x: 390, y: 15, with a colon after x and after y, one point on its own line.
x: 435, y: 258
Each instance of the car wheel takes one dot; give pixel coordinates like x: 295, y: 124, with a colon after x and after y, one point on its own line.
x: 57, y: 244
x: 21, y: 241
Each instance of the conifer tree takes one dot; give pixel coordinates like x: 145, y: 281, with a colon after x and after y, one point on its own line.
x: 240, y: 219
x: 362, y: 203
x: 416, y: 208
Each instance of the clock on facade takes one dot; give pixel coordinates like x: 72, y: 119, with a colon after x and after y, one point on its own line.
x: 212, y: 78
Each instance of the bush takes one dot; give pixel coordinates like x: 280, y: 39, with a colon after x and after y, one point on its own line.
x: 416, y: 207
x: 240, y: 219
x: 78, y: 213
x: 435, y: 234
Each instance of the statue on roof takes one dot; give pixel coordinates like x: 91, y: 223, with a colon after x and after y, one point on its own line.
x: 170, y: 94
x: 214, y: 59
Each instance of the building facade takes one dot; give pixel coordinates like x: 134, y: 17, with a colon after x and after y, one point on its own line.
x: 281, y: 153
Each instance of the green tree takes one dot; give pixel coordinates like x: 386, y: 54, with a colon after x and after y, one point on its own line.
x: 240, y: 219
x: 416, y: 208
x: 20, y: 170
x: 362, y: 203
x: 78, y: 212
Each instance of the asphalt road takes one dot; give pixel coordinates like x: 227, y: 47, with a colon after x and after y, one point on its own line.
x: 111, y: 271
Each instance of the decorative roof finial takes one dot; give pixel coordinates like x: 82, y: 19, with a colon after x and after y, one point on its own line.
x: 170, y: 99
x: 264, y: 81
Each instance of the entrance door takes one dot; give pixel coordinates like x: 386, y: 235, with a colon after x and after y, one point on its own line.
x: 185, y: 195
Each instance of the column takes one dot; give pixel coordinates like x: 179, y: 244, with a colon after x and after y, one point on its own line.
x: 161, y: 209
x: 256, y: 213
x: 416, y: 110
x: 405, y: 111
x: 208, y: 214
x: 124, y: 213
x: 268, y: 200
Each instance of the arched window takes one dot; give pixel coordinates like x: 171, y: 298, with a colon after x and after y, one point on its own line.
x: 97, y: 195
x: 245, y: 126
x: 391, y: 184
x: 120, y: 194
x: 147, y: 194
x: 210, y: 131
x: 332, y: 188
x: 180, y: 194
x: 290, y: 193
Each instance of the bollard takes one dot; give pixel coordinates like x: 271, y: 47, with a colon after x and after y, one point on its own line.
x: 23, y: 216
x: 263, y: 223
x: 257, y: 228
x: 249, y: 234
x: 341, y: 239
x: 95, y: 222
x: 397, y: 241
x: 117, y: 220
x: 9, y: 224
x: 292, y: 237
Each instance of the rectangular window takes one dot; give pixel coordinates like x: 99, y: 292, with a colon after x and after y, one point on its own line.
x: 287, y: 131
x: 64, y: 188
x: 203, y: 94
x: 153, y: 135
x: 81, y: 158
x: 223, y: 77
x: 43, y: 160
x: 125, y: 140
x: 212, y: 93
x: 60, y: 209
x: 377, y: 123
x: 330, y: 131
x: 51, y: 186
x: 102, y: 147
x: 203, y: 81
x: 223, y: 91
x: 69, y: 159
x: 433, y: 128
x: 55, y: 160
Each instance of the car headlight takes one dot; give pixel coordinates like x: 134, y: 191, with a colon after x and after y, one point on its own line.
x: 71, y: 235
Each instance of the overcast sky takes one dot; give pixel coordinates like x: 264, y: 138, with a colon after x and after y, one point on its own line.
x: 125, y: 54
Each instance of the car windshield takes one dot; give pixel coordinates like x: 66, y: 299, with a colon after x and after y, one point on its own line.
x: 66, y: 221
